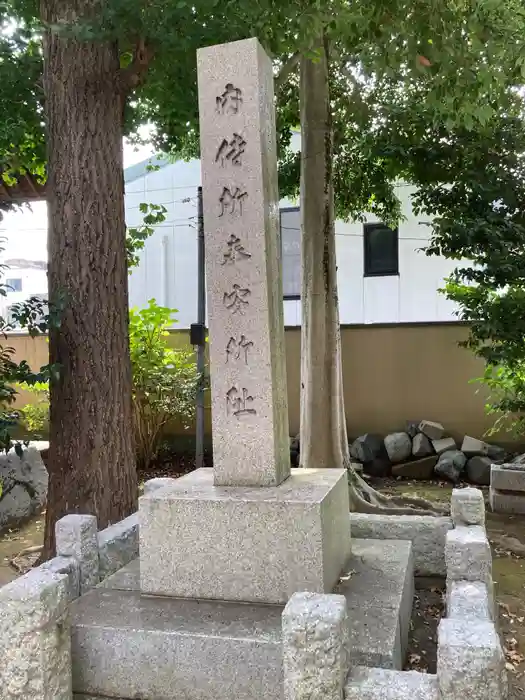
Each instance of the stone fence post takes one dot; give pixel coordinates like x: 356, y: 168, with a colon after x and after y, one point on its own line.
x: 315, y: 647
x: 77, y: 536
x: 470, y: 660
x: 35, y: 639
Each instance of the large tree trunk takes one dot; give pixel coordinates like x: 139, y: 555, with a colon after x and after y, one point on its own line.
x: 91, y: 457
x: 324, y: 440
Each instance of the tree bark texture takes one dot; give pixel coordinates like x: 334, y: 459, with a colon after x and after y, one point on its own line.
x: 91, y: 456
x: 324, y: 441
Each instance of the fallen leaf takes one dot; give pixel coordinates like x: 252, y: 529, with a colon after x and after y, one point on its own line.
x: 347, y: 576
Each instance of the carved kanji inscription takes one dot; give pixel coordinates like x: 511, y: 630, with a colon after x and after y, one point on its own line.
x: 237, y: 300
x: 238, y: 349
x: 239, y: 403
x: 231, y: 151
x: 230, y: 101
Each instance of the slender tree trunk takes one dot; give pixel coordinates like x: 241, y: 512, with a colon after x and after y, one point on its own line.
x: 91, y: 457
x: 324, y: 440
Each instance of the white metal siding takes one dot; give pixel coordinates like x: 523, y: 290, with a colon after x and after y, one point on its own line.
x: 412, y: 296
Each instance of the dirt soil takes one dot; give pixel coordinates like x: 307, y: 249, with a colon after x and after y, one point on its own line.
x: 506, y: 534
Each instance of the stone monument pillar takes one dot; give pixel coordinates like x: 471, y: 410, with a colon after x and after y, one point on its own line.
x: 243, y: 265
x: 252, y: 529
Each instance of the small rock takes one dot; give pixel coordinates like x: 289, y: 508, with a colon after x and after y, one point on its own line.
x: 15, y: 507
x: 444, y: 445
x: 497, y: 453
x: 398, y: 447
x: 366, y: 448
x: 451, y: 464
x: 378, y: 467
x: 412, y: 428
x: 24, y: 480
x: 478, y: 470
x: 420, y: 469
x: 472, y: 446
x: 432, y: 430
x: 421, y: 446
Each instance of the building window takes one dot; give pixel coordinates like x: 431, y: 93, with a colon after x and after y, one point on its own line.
x: 381, y: 250
x: 291, y: 252
x: 14, y: 284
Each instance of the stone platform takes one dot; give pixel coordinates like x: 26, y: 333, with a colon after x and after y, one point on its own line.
x: 507, y: 488
x: 250, y: 544
x: 128, y: 645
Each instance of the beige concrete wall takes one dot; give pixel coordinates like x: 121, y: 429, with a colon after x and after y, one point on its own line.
x: 391, y: 374
x: 405, y: 372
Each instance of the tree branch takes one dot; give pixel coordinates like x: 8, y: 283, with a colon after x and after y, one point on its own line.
x: 133, y: 75
x: 285, y: 72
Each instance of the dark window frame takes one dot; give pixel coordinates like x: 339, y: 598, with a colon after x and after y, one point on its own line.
x: 287, y: 297
x: 368, y: 266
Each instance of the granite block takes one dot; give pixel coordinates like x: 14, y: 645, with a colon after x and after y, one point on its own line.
x: 157, y: 483
x: 125, y: 579
x: 375, y: 637
x: 383, y: 684
x: 118, y: 545
x: 132, y: 646
x: 468, y: 600
x: 202, y: 643
x: 243, y: 265
x: 472, y: 446
x: 198, y: 540
x: 68, y: 566
x: 444, y: 445
x: 35, y: 648
x: 504, y: 478
x: 506, y: 502
x: 467, y: 507
x: 432, y: 430
x: 315, y: 646
x: 427, y: 534
x: 76, y: 536
x: 385, y: 570
x: 470, y: 661
x: 467, y: 553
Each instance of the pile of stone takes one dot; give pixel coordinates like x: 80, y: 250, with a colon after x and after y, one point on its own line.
x: 507, y: 487
x: 423, y: 451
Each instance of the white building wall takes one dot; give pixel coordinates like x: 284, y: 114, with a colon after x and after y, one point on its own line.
x: 168, y: 268
x: 168, y: 263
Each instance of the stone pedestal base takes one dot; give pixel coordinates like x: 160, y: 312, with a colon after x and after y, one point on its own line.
x: 259, y: 544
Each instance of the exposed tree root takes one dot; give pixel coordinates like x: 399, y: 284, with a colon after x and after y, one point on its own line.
x: 365, y: 499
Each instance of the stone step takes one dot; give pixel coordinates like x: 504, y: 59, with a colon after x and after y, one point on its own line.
x: 125, y: 645
x: 132, y: 646
x: 379, y: 592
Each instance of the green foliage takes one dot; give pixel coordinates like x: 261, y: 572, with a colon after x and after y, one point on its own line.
x: 154, y: 214
x: 507, y: 397
x: 164, y: 380
x: 35, y: 416
x: 473, y: 184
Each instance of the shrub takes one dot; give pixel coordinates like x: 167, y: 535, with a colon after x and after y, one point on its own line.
x: 164, y: 380
x: 506, y: 384
x: 35, y: 416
